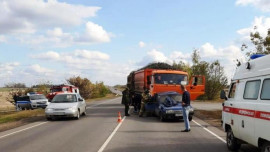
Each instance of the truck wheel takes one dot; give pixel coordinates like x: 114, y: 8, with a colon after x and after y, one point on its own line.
x: 190, y: 118
x: 266, y: 147
x: 232, y: 142
x: 49, y: 118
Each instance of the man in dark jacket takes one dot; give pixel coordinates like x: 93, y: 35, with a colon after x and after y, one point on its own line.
x: 186, y: 107
x: 126, y: 100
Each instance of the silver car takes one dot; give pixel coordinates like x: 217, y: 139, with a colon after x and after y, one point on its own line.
x: 66, y: 105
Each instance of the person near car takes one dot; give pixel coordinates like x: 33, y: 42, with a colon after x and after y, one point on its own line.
x: 186, y: 107
x: 126, y: 100
x: 145, y: 98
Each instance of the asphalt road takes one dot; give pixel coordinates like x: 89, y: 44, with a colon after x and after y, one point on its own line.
x: 99, y: 131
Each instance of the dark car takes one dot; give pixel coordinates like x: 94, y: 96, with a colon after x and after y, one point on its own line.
x: 168, y: 106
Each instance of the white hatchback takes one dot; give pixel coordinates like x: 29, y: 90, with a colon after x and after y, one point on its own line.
x: 66, y: 105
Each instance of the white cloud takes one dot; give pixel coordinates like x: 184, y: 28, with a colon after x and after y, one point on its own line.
x: 94, y: 33
x: 94, y: 65
x: 36, y: 69
x: 262, y: 25
x: 91, y: 54
x: 26, y: 16
x: 141, y: 44
x: 263, y: 5
x: 227, y: 56
x: 71, y: 57
x: 51, y: 55
x: 58, y: 38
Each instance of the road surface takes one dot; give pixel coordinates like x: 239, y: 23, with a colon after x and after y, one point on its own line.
x: 206, y: 105
x: 99, y: 131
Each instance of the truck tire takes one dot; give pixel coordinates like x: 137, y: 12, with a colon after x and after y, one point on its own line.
x: 49, y: 118
x: 265, y: 147
x: 232, y: 142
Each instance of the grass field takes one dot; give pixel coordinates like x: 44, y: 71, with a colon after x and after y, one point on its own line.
x: 15, y: 116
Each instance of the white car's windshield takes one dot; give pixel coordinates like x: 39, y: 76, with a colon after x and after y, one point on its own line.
x: 37, y: 97
x: 64, y: 98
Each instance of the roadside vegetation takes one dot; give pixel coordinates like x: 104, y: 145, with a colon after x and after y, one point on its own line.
x: 15, y: 116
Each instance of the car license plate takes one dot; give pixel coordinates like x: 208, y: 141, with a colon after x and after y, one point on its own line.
x: 59, y: 113
x: 178, y: 115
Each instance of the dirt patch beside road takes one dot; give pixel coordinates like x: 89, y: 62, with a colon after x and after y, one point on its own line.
x: 212, y: 117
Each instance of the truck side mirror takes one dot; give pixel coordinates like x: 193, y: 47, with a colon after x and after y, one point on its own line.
x: 223, y: 95
x: 80, y: 99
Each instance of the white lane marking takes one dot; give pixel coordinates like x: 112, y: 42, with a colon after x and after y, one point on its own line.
x: 101, y: 103
x: 110, y: 137
x: 210, y: 132
x: 22, y: 130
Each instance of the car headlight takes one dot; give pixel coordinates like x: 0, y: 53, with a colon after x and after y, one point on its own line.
x: 49, y: 109
x: 72, y: 109
x: 169, y: 111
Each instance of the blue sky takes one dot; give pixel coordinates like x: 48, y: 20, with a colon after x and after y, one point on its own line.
x: 104, y: 40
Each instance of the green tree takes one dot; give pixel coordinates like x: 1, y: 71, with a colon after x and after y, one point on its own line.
x: 215, y: 80
x: 261, y: 44
x: 214, y: 75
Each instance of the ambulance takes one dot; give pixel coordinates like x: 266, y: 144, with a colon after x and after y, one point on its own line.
x: 246, y: 110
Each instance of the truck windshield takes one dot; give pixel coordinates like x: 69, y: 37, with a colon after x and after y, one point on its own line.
x: 167, y: 78
x: 37, y: 97
x: 170, y: 99
x: 64, y: 98
x: 56, y: 89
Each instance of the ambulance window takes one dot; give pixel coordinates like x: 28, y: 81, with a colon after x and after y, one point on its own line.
x: 232, y: 90
x: 265, y: 90
x: 252, y: 89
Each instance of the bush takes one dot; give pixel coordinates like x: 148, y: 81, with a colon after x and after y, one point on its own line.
x: 85, y: 86
x: 87, y: 89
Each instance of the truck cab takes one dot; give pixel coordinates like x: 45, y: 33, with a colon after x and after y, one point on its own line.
x: 246, y: 110
x: 170, y: 80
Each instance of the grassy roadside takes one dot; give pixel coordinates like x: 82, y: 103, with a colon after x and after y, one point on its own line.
x: 9, y: 117
x: 211, y: 117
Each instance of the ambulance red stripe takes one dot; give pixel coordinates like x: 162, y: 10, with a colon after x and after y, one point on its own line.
x: 247, y: 112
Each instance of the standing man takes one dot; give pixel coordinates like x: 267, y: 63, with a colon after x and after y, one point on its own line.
x: 126, y: 100
x: 186, y: 107
x: 145, y: 98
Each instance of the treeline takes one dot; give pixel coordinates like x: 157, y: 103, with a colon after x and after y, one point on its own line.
x: 15, y: 85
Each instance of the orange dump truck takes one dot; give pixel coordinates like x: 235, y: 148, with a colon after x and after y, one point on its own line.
x: 156, y: 80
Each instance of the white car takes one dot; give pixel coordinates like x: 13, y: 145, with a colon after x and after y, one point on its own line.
x: 66, y: 105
